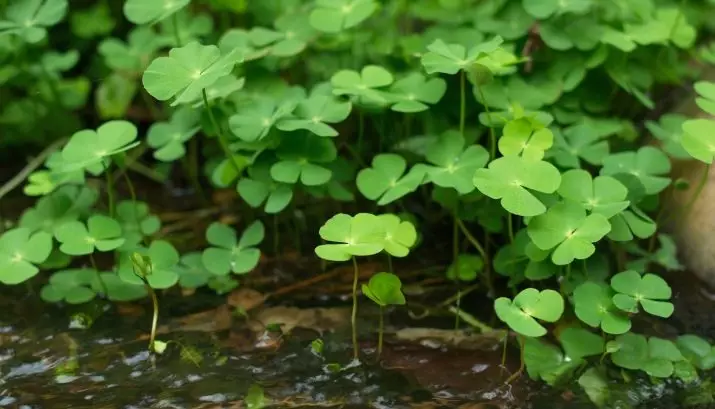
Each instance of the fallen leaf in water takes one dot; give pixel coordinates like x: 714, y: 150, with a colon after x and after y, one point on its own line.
x: 317, y: 319
x: 246, y: 299
x: 130, y: 310
x: 215, y: 320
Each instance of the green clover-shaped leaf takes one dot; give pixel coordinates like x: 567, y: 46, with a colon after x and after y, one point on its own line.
x: 29, y: 19
x: 413, y: 92
x: 231, y: 254
x: 603, y: 195
x: 648, y: 164
x: 315, y: 113
x: 101, y: 233
x: 578, y: 143
x: 594, y: 306
x: 187, y: 71
x: 400, y: 235
x: 567, y: 228
x: 192, y: 272
x: 291, y: 36
x: 543, y: 9
x: 137, y: 222
x: 452, y: 58
x: 163, y: 259
x: 301, y: 157
x: 519, y: 314
x: 386, y: 180
x: 259, y: 188
x: 152, y: 11
x: 698, y: 139
x: 20, y: 252
x: 465, y: 268
x: 697, y: 351
x: 133, y: 55
x: 647, y: 290
x: 333, y: 16
x: 253, y: 123
x: 384, y: 289
x: 632, y: 351
x: 74, y: 286
x: 630, y: 223
x: 666, y: 255
x: 51, y: 211
x: 508, y: 179
x: 359, y: 235
x: 365, y: 85
x: 580, y: 343
x: 669, y: 131
x: 453, y: 163
x: 90, y: 150
x: 526, y: 138
x: 168, y: 138
x: 706, y: 96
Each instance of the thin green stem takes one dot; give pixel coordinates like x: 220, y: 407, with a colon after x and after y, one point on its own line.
x: 462, y: 102
x: 510, y: 225
x: 155, y: 316
x: 175, y: 28
x: 105, y: 290
x: 353, y: 318
x: 389, y: 263
x: 110, y: 190
x: 192, y: 168
x: 381, y: 332
x: 492, y: 136
x: 473, y: 240
x: 219, y: 133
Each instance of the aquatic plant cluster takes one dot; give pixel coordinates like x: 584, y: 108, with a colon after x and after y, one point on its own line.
x: 525, y: 122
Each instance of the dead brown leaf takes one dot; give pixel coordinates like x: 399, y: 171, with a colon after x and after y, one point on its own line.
x: 318, y: 319
x: 215, y: 320
x: 246, y: 299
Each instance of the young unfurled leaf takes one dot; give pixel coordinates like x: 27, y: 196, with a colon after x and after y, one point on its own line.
x: 231, y: 254
x: 648, y: 290
x: 168, y: 138
x: 452, y: 58
x: 101, y: 233
x: 465, y: 268
x: 315, y: 113
x: 161, y: 258
x: 400, y: 235
x: 359, y: 235
x: 648, y: 164
x: 413, y: 92
x: 20, y: 252
x: 698, y: 139
x: 603, y: 195
x: 508, y: 179
x: 453, y: 163
x: 386, y: 180
x: 30, y: 19
x: 365, y: 85
x: 384, y: 289
x: 333, y: 16
x: 302, y: 156
x: 526, y: 138
x: 567, y: 228
x: 594, y: 306
x: 187, y: 71
x: 90, y: 150
x: 519, y: 314
x: 152, y: 11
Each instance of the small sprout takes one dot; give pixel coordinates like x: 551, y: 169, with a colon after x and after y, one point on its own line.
x: 90, y: 150
x: 20, y: 253
x: 333, y: 16
x: 159, y: 346
x: 386, y: 180
x: 594, y: 306
x: 384, y: 289
x: 453, y: 164
x: 519, y: 314
x: 152, y: 11
x: 567, y: 230
x: 230, y: 254
x: 647, y: 290
x: 508, y: 179
x: 316, y: 346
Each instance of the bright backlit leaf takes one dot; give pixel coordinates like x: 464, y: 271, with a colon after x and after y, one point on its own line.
x: 400, y: 235
x: 526, y: 138
x: 384, y: 289
x: 359, y: 235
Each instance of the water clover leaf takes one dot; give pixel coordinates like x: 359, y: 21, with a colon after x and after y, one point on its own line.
x: 101, y: 233
x: 255, y: 122
x: 386, y: 180
x: 133, y: 55
x: 229, y: 253
x: 20, y: 252
x: 290, y: 37
x: 519, y: 314
x: 315, y: 113
x: 594, y: 306
x: 632, y: 351
x: 400, y: 235
x: 648, y: 164
x: 136, y: 221
x: 508, y: 179
x: 30, y: 19
x: 163, y: 259
x: 697, y: 351
x: 465, y: 268
x: 543, y: 9
x: 669, y: 130
x: 74, y: 286
x: 544, y: 361
x: 259, y: 188
x: 698, y: 139
x: 152, y: 11
x: 647, y: 290
x: 168, y: 138
x: 567, y: 228
x: 526, y: 138
x: 359, y: 235
x: 452, y: 58
x: 384, y: 289
x: 413, y: 92
x: 603, y: 195
x: 186, y: 71
x: 363, y: 85
x: 633, y: 222
x: 453, y: 165
x: 580, y: 343
x: 333, y: 16
x: 706, y: 96
x: 301, y: 157
x: 576, y: 144
x: 665, y: 256
x: 90, y: 149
